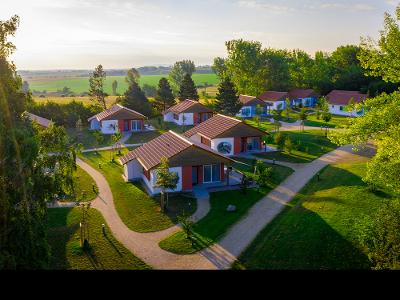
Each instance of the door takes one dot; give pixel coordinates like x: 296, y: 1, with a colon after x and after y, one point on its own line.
x: 136, y: 125
x: 243, y: 147
x: 195, y: 178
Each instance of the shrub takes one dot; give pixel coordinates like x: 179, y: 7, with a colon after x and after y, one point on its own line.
x: 288, y: 146
x: 264, y: 177
x: 279, y: 140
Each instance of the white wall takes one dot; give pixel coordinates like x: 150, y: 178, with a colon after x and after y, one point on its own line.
x: 169, y: 117
x: 196, y: 138
x: 133, y: 170
x: 248, y: 108
x: 216, y: 142
x: 335, y: 109
x: 275, y: 104
x: 106, y: 129
x: 153, y: 178
x: 94, y: 124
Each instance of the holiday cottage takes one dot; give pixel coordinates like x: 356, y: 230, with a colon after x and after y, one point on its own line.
x: 338, y: 100
x: 226, y: 135
x: 194, y: 163
x: 249, y: 105
x: 303, y: 98
x: 117, y: 119
x: 187, y: 112
x: 276, y: 100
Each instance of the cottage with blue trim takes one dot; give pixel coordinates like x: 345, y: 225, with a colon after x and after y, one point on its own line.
x: 303, y: 98
x: 249, y: 104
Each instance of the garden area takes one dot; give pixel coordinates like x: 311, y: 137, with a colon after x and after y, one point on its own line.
x: 218, y: 221
x: 105, y: 252
x: 322, y: 225
x: 299, y: 146
x: 139, y: 211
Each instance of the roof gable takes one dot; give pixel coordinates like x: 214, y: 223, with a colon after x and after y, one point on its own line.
x: 118, y: 112
x: 274, y: 96
x: 302, y: 93
x: 223, y: 126
x: 188, y: 106
x: 250, y: 100
x: 340, y: 97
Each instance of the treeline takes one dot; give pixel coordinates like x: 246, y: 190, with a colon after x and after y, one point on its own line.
x: 65, y: 114
x: 254, y: 69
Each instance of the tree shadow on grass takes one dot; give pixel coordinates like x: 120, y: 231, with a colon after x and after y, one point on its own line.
x: 299, y: 239
x: 113, y: 245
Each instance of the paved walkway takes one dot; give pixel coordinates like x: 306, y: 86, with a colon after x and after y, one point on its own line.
x: 240, y: 235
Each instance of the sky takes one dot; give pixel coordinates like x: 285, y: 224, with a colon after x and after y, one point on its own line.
x: 80, y: 34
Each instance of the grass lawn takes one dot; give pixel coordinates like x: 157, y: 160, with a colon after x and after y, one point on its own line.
x: 142, y: 137
x: 106, y: 252
x: 137, y: 210
x: 87, y: 139
x: 309, y: 145
x: 321, y: 226
x: 217, y: 222
x: 84, y: 184
x: 264, y: 125
x: 335, y: 122
x: 81, y: 84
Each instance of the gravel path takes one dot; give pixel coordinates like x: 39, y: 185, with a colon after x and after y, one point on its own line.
x: 240, y: 235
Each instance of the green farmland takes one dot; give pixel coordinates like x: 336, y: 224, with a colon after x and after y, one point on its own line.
x: 81, y: 84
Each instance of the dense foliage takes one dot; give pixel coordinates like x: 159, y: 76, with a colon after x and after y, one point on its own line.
x: 29, y: 175
x: 227, y: 99
x: 254, y: 69
x: 188, y: 89
x: 65, y: 114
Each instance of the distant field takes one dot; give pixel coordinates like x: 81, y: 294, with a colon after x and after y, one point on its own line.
x: 81, y: 84
x: 65, y: 100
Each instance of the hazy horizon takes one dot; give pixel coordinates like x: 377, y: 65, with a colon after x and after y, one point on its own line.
x: 78, y: 35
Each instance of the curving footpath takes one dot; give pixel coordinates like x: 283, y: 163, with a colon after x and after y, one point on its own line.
x: 221, y: 255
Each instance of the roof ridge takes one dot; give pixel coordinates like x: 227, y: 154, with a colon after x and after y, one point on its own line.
x: 232, y: 118
x: 181, y: 137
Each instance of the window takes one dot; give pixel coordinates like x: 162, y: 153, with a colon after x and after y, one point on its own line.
x: 340, y: 107
x: 211, y: 173
x: 136, y: 125
x: 176, y: 116
x: 245, y: 111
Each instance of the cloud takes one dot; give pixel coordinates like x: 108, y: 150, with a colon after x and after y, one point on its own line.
x: 392, y: 2
x: 347, y: 6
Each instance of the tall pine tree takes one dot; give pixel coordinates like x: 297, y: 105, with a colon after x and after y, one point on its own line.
x: 134, y: 98
x: 164, y: 94
x: 188, y: 89
x: 227, y: 98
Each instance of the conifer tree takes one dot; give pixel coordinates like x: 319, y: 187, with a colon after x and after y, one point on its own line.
x: 134, y: 98
x: 227, y: 98
x: 164, y: 93
x: 188, y: 89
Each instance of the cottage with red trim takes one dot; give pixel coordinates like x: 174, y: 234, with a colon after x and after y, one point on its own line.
x: 187, y: 112
x: 226, y: 135
x: 194, y: 163
x: 117, y: 119
x: 249, y: 104
x: 338, y: 100
x: 303, y: 97
x: 276, y: 100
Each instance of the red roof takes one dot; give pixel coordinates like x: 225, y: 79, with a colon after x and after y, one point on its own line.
x: 250, y: 100
x: 219, y: 124
x: 340, y: 97
x: 274, y: 96
x: 166, y: 145
x: 41, y: 121
x: 188, y: 106
x: 301, y: 93
x: 115, y: 109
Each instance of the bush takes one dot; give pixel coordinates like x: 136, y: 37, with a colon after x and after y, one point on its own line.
x: 264, y: 177
x: 279, y: 140
x: 288, y: 146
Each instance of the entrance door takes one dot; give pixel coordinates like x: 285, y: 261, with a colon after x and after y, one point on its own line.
x: 195, y: 177
x: 126, y: 125
x: 243, y: 147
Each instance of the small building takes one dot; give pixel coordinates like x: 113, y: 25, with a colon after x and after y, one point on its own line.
x: 276, y: 100
x: 117, y: 119
x: 226, y: 135
x: 194, y: 163
x: 43, y: 122
x: 303, y: 97
x: 249, y: 104
x: 187, y: 112
x: 339, y: 99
